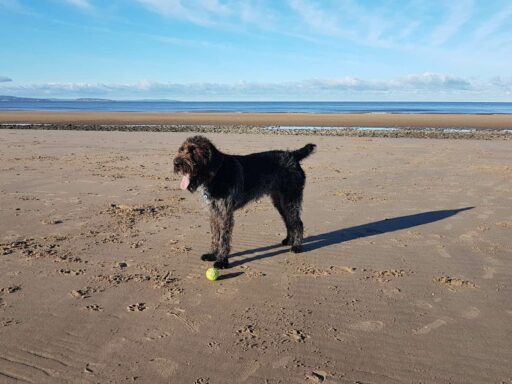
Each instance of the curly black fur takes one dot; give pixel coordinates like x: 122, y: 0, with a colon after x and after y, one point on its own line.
x: 231, y: 181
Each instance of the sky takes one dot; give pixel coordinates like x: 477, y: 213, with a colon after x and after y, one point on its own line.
x: 338, y: 50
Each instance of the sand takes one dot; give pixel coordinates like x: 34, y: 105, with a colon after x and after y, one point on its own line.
x: 265, y: 119
x: 405, y: 278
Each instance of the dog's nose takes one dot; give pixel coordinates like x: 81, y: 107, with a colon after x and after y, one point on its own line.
x: 178, y: 162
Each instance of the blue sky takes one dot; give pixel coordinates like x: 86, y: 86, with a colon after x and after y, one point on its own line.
x: 457, y: 50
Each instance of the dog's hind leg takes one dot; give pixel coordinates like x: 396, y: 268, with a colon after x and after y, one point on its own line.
x: 292, y: 211
x: 277, y: 200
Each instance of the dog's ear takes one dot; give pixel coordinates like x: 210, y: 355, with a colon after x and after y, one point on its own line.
x: 199, y: 153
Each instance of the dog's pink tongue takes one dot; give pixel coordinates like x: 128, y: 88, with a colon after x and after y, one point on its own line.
x: 185, y: 182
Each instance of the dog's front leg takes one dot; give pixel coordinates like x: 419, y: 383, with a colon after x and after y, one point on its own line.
x: 226, y: 223
x: 215, y: 231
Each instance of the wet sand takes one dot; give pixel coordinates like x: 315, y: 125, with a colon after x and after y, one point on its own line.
x: 405, y: 278
x: 264, y: 119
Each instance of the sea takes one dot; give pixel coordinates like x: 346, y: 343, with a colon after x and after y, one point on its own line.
x: 486, y: 108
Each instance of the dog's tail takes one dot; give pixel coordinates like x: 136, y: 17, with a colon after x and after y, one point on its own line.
x: 304, y: 152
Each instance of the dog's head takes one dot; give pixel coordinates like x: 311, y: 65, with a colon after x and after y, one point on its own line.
x: 196, y: 161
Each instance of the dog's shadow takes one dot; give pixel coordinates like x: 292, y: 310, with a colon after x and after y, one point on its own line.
x: 312, y: 243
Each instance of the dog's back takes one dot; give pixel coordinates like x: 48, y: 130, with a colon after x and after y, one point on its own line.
x: 271, y: 172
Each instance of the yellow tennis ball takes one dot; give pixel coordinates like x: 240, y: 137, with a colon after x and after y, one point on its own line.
x: 212, y: 274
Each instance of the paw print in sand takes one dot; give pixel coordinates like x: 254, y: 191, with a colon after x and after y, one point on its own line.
x: 94, y: 307
x: 139, y: 307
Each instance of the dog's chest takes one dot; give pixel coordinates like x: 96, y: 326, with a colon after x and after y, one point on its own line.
x: 206, y: 199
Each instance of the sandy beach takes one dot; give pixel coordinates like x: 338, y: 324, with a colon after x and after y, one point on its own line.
x: 264, y: 119
x: 405, y: 278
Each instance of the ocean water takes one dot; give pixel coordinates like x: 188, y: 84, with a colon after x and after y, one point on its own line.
x: 255, y: 107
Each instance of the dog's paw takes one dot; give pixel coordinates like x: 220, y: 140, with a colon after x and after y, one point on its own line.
x: 296, y: 248
x: 221, y: 264
x: 285, y: 241
x: 209, y: 257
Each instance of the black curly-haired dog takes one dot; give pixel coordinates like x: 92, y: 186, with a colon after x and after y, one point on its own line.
x: 229, y: 182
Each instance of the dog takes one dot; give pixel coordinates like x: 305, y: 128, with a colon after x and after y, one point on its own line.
x: 229, y: 182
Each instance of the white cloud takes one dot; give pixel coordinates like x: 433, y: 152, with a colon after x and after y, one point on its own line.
x: 5, y: 79
x: 431, y: 82
x: 504, y: 83
x: 311, y: 89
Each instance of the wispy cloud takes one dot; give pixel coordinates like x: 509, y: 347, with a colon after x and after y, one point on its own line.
x: 494, y: 24
x: 459, y: 12
x: 208, y: 13
x: 16, y: 6
x: 185, y: 42
x: 82, y: 4
x: 10, y: 4
x: 5, y: 79
x: 316, y: 17
x: 413, y: 25
x: 203, y: 12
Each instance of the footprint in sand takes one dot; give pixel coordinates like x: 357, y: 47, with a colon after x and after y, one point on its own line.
x: 393, y: 293
x: 94, y: 307
x: 5, y: 322
x: 471, y: 313
x: 431, y: 326
x: 316, y: 377
x: 83, y: 293
x: 248, y: 370
x: 489, y: 272
x: 297, y: 335
x: 443, y: 253
x: 469, y: 236
x: 11, y: 289
x: 213, y: 346
x: 74, y: 272
x: 368, y: 326
x: 282, y: 362
x: 453, y: 283
x: 155, y: 334
x: 423, y: 304
x: 485, y: 214
x: 226, y: 291
x: 139, y: 307
x: 164, y: 367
